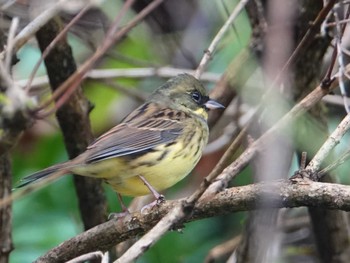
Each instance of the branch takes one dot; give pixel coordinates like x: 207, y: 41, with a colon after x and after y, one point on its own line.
x: 55, y: 42
x: 307, y: 38
x: 73, y: 118
x: 34, y: 26
x: 6, y: 245
x: 210, y: 51
x: 163, y: 72
x: 279, y: 194
x: 232, y: 170
x: 113, y: 35
x: 328, y: 146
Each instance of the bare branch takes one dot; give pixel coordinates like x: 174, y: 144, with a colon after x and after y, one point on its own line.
x: 10, y: 43
x: 163, y: 72
x: 29, y: 31
x: 208, y: 54
x: 102, y: 257
x: 328, y: 146
x: 280, y: 194
x: 53, y: 43
x: 232, y: 170
x: 113, y: 35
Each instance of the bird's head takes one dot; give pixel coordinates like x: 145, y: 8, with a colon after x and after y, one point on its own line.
x: 184, y: 92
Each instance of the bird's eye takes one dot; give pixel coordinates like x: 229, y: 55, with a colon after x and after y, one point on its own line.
x: 196, y: 96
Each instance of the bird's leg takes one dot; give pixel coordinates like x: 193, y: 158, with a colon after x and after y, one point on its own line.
x: 121, y: 202
x: 124, y: 209
x: 159, y: 197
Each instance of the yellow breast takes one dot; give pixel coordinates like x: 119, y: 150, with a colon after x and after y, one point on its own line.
x: 162, y: 167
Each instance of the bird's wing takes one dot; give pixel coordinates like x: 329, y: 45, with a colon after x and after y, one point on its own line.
x: 135, y: 136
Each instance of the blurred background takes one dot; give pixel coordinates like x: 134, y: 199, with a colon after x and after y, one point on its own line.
x: 176, y: 38
x: 172, y: 40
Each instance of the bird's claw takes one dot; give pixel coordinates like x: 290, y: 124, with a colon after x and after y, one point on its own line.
x: 157, y: 202
x: 112, y: 216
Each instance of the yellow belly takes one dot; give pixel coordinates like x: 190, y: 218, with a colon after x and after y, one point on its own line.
x: 161, y: 176
x: 161, y: 170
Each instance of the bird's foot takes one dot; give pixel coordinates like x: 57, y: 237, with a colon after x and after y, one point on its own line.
x: 112, y: 216
x: 125, y: 210
x: 160, y: 199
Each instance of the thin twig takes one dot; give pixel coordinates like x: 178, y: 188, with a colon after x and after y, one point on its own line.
x: 328, y: 146
x: 7, y: 4
x: 223, y: 250
x: 208, y: 54
x: 314, y: 28
x: 10, y: 43
x: 336, y: 100
x: 303, y: 160
x: 163, y: 72
x: 102, y: 257
x: 72, y: 83
x: 112, y: 36
x: 334, y: 165
x: 340, y: 29
x: 34, y: 26
x: 53, y: 44
x: 5, y: 75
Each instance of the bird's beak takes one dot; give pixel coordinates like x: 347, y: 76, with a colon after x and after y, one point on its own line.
x: 212, y: 105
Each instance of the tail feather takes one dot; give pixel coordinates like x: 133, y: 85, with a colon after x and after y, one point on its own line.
x: 55, y: 170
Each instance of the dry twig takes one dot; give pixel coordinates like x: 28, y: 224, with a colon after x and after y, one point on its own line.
x: 208, y: 54
x: 280, y: 193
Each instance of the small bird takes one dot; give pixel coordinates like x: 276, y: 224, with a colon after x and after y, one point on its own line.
x: 153, y: 148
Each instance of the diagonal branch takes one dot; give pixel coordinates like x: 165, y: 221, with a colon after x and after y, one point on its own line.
x: 210, y: 51
x: 281, y: 193
x: 328, y: 146
x: 112, y: 37
x: 74, y: 121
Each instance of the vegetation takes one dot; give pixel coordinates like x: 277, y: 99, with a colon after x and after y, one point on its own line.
x: 271, y: 194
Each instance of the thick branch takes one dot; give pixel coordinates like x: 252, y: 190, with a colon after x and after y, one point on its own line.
x: 330, y: 228
x: 5, y: 212
x: 278, y: 194
x: 13, y: 120
x: 74, y: 122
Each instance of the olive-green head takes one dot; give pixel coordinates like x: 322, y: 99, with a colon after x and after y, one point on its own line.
x: 184, y: 92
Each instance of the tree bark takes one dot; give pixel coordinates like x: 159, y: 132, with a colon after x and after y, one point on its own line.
x: 283, y: 193
x: 74, y: 122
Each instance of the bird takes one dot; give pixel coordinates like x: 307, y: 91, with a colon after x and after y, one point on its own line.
x: 152, y: 148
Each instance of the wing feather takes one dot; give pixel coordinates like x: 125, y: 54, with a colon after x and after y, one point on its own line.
x: 134, y: 137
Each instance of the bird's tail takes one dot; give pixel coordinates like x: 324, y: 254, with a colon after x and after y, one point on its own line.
x: 52, y: 172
